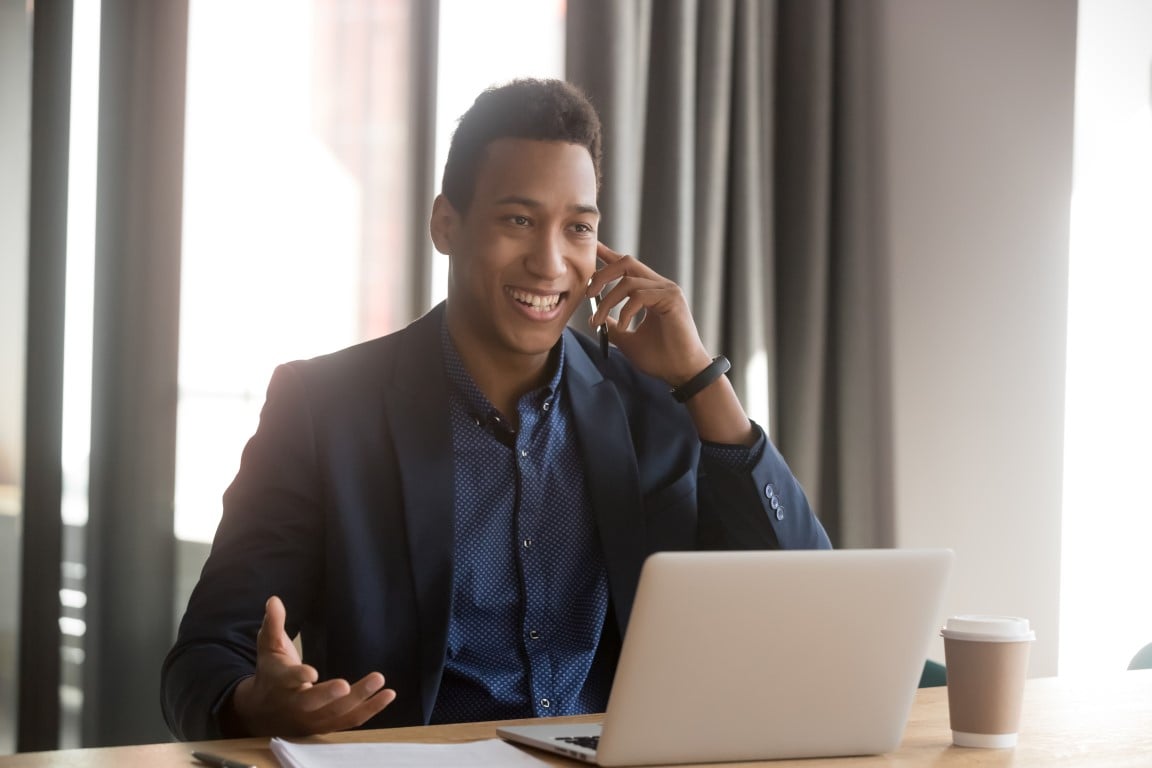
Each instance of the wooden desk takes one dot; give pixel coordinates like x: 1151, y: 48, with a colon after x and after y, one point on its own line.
x: 1092, y: 722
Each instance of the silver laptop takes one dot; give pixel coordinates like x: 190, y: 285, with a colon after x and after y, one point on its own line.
x: 764, y: 655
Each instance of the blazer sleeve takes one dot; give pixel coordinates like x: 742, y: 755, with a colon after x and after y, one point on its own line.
x: 267, y: 544
x: 761, y: 506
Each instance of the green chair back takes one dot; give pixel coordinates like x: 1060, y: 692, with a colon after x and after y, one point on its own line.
x: 934, y: 675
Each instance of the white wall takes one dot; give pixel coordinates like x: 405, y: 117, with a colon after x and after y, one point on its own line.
x: 976, y: 131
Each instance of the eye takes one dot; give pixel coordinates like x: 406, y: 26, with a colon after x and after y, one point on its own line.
x: 584, y: 229
x: 519, y: 221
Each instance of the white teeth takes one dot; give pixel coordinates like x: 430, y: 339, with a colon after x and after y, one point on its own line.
x: 537, y: 302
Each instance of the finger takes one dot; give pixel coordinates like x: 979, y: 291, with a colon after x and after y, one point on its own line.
x: 316, y: 697
x: 272, y: 627
x: 357, y: 694
x: 277, y: 660
x: 367, y: 698
x: 627, y: 289
x: 289, y: 676
x: 616, y: 265
x: 363, y: 712
x: 629, y: 311
x: 272, y: 640
x: 643, y: 301
x: 606, y: 254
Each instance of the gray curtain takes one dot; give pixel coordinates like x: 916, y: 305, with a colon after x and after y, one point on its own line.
x: 37, y: 711
x: 128, y: 547
x: 738, y: 150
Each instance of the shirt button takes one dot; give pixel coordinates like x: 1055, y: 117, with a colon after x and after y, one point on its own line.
x: 547, y: 404
x: 769, y: 491
x: 527, y: 543
x: 524, y: 453
x: 545, y: 703
x: 534, y: 635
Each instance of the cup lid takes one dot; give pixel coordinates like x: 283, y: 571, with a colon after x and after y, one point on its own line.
x: 993, y: 629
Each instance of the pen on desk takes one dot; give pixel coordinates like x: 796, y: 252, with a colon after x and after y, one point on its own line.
x: 219, y: 762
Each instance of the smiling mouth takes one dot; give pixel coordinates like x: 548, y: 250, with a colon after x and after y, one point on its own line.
x: 542, y: 303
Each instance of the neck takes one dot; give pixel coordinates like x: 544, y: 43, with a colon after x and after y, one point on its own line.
x: 502, y: 376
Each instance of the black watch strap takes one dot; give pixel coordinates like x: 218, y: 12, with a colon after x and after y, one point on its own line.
x: 717, y: 368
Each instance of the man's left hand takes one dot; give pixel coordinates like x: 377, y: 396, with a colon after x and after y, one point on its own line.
x: 655, y: 329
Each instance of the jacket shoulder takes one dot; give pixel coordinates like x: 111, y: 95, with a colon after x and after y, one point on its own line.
x: 408, y: 354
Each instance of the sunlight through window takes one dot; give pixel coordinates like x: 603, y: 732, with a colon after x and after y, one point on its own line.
x: 1106, y: 563
x: 520, y: 38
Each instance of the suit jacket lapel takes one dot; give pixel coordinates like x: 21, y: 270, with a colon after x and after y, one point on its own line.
x: 612, y: 478
x: 417, y: 410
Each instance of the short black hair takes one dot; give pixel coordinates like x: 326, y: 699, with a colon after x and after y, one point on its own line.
x: 543, y: 110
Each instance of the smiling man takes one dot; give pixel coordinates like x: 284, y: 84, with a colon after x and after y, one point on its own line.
x: 463, y: 507
x: 522, y: 247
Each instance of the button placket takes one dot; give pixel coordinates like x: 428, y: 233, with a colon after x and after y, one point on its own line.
x: 535, y: 613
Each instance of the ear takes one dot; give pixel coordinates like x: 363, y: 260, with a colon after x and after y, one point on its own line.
x: 443, y: 225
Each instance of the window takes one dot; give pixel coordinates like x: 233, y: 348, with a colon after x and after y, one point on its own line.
x: 532, y: 46
x: 295, y: 113
x: 1107, y: 521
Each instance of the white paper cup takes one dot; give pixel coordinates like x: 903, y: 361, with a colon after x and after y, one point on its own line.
x: 986, y: 661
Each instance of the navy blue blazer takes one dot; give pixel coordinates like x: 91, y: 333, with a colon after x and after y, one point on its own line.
x: 343, y: 506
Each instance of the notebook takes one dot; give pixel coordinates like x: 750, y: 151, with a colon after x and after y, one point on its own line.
x: 763, y: 655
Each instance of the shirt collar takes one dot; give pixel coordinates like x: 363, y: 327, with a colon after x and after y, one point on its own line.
x: 464, y: 385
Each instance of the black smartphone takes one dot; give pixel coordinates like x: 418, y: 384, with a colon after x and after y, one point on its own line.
x: 602, y: 330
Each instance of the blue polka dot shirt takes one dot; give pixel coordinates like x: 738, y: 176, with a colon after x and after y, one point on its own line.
x: 529, y: 589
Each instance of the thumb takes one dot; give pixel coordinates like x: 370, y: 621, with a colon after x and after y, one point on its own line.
x: 272, y: 636
x: 276, y: 656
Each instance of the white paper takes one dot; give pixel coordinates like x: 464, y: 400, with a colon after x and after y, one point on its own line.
x: 470, y: 754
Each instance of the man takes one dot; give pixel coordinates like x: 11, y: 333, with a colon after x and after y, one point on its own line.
x: 465, y: 505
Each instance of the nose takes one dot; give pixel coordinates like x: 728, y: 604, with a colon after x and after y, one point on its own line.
x: 547, y: 259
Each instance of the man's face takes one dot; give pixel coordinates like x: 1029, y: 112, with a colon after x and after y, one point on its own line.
x: 522, y: 255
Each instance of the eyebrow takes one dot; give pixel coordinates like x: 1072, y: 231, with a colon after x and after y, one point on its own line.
x: 528, y: 202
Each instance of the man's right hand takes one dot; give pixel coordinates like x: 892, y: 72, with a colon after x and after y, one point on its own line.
x: 284, y: 698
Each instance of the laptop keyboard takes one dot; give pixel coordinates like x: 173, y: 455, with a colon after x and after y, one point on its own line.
x: 588, y: 742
